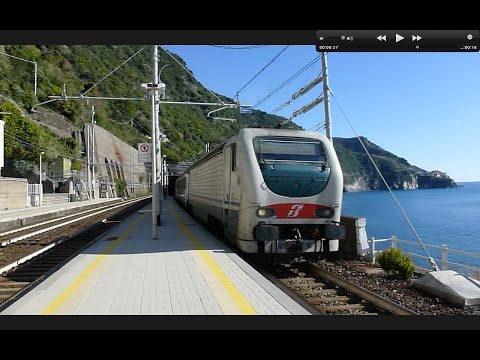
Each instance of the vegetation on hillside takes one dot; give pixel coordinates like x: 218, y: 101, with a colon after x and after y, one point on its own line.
x: 79, y: 67
x: 24, y: 140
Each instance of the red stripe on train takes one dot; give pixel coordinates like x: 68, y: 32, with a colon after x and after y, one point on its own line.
x: 295, y: 210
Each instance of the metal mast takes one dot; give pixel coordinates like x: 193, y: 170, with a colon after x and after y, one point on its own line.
x: 155, y: 147
x: 326, y: 97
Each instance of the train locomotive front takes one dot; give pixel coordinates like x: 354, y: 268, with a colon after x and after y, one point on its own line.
x: 269, y: 191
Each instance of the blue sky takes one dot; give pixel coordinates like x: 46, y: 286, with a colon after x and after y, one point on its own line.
x: 424, y: 107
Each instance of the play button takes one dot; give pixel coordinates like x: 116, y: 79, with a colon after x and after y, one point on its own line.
x: 398, y: 38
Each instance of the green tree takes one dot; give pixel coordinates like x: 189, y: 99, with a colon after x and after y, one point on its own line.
x: 120, y: 186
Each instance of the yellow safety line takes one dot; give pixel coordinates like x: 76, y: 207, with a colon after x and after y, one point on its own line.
x: 67, y: 293
x: 235, y: 294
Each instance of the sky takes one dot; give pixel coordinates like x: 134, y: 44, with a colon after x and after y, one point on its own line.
x: 424, y: 107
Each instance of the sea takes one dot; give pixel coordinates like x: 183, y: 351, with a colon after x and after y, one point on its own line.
x: 448, y: 217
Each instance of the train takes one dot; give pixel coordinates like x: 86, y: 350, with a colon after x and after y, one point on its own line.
x: 268, y: 191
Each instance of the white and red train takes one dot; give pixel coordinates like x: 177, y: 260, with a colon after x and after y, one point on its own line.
x: 269, y: 191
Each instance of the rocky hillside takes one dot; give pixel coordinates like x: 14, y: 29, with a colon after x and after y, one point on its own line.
x: 75, y: 69
x: 360, y: 174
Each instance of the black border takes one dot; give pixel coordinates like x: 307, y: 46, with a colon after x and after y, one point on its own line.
x: 170, y: 37
x: 318, y: 322
x: 164, y: 37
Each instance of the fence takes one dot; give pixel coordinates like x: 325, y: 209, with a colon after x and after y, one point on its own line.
x: 461, y: 264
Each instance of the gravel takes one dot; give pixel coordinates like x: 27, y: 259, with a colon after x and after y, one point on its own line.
x: 399, y: 291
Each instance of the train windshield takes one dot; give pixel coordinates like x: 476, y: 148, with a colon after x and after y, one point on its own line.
x: 288, y: 149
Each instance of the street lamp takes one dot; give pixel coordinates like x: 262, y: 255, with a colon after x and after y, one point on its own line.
x: 41, y: 185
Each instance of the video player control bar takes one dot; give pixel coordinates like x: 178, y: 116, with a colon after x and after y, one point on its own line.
x: 398, y: 40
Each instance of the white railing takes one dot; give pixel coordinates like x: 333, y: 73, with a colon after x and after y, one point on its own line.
x: 443, y: 262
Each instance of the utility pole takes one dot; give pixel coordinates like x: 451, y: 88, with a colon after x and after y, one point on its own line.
x: 41, y: 184
x: 155, y: 106
x: 158, y: 151
x: 326, y: 97
x: 132, y: 185
x: 92, y: 184
x: 87, y: 135
x: 2, y: 145
x: 90, y: 139
x: 36, y: 73
x: 158, y: 139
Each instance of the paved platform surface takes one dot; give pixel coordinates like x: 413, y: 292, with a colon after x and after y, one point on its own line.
x: 185, y: 271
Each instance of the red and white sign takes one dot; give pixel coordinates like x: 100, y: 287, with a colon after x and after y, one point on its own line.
x: 144, y: 152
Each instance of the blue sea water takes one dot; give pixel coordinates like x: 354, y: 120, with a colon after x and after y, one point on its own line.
x: 440, y: 216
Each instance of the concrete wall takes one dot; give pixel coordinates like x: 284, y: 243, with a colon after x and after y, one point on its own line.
x: 116, y: 159
x: 13, y: 193
x: 355, y: 242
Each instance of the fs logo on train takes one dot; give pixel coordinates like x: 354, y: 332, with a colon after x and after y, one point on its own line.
x: 295, y: 210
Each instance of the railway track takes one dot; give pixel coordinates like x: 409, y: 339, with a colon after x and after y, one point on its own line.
x: 320, y: 291
x: 18, y: 243
x: 25, y: 232
x: 25, y: 273
x: 329, y: 294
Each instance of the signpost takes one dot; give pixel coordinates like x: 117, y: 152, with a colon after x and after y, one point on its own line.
x: 245, y: 110
x: 144, y: 152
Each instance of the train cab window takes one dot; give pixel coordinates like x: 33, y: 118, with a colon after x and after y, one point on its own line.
x: 288, y: 149
x: 234, y: 157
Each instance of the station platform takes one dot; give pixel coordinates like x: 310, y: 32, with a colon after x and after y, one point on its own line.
x: 186, y: 271
x: 30, y: 215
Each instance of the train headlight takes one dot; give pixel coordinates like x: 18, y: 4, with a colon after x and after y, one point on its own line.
x: 325, y: 212
x: 265, y: 212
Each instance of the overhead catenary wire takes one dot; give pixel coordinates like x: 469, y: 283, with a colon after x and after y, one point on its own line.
x: 34, y: 146
x: 317, y: 127
x: 141, y: 126
x: 286, y: 104
x: 191, y: 73
x: 283, y: 106
x: 123, y: 122
x: 286, y: 82
x: 249, y: 47
x: 173, y: 147
x: 430, y: 259
x: 44, y: 76
x: 111, y: 72
x: 262, y: 70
